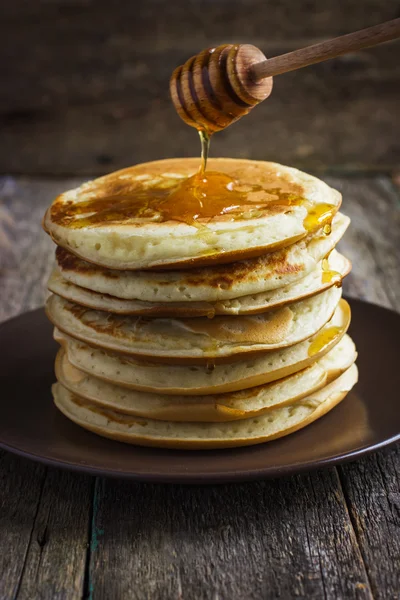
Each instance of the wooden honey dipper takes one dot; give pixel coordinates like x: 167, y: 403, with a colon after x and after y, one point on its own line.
x: 220, y: 85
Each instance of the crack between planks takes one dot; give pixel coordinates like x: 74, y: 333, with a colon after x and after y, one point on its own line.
x: 353, y: 524
x: 41, y: 539
x: 31, y: 535
x: 87, y: 591
x: 311, y: 554
x: 319, y: 554
x: 93, y: 538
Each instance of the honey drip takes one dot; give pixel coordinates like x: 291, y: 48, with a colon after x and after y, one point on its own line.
x: 319, y: 216
x: 205, y: 139
x: 323, y: 339
x: 327, y: 228
x: 329, y: 275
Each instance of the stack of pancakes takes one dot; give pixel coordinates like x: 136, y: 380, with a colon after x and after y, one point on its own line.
x: 211, y: 330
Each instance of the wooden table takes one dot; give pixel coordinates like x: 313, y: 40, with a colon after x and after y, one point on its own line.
x: 328, y: 534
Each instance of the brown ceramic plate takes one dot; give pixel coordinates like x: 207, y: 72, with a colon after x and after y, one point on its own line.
x: 368, y: 419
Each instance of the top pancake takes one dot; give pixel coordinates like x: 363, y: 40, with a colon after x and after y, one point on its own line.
x: 138, y: 219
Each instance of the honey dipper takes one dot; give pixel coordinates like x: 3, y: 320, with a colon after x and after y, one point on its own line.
x: 220, y: 85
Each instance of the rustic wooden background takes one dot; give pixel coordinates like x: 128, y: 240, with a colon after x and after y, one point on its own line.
x: 84, y: 84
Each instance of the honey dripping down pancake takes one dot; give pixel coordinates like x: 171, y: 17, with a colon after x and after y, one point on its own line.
x: 167, y: 214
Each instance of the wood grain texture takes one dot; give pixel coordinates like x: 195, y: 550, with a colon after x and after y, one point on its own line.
x: 312, y: 536
x: 372, y: 492
x: 85, y: 84
x: 44, y: 526
x: 310, y: 55
x: 55, y: 558
x: 21, y: 484
x: 288, y: 538
x: 202, y: 18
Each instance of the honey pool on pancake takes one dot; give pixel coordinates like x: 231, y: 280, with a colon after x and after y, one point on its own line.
x: 195, y: 200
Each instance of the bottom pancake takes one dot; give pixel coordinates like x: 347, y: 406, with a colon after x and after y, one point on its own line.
x: 168, y: 434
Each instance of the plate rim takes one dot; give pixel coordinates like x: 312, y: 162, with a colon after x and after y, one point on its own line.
x: 204, y: 478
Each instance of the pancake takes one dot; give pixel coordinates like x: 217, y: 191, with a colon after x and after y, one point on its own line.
x: 106, y: 302
x: 201, y: 379
x: 316, y: 282
x: 223, y: 407
x: 148, y: 215
x: 195, y: 340
x: 323, y: 277
x: 171, y: 434
x: 213, y: 284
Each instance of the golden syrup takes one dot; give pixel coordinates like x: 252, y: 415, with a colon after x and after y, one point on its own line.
x: 201, y: 197
x: 319, y: 215
x: 194, y: 201
x: 329, y: 275
x: 327, y: 228
x: 323, y: 339
x: 229, y: 411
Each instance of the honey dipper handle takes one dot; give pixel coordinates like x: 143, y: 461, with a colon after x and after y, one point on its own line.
x: 365, y: 38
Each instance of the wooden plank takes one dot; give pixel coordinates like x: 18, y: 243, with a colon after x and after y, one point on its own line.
x: 372, y: 490
x: 85, y: 86
x: 56, y: 556
x: 98, y: 138
x: 153, y: 21
x: 280, y: 539
x: 104, y: 65
x: 21, y: 485
x: 44, y: 526
x: 372, y: 485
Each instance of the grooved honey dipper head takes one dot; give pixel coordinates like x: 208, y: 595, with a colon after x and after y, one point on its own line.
x: 215, y: 88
